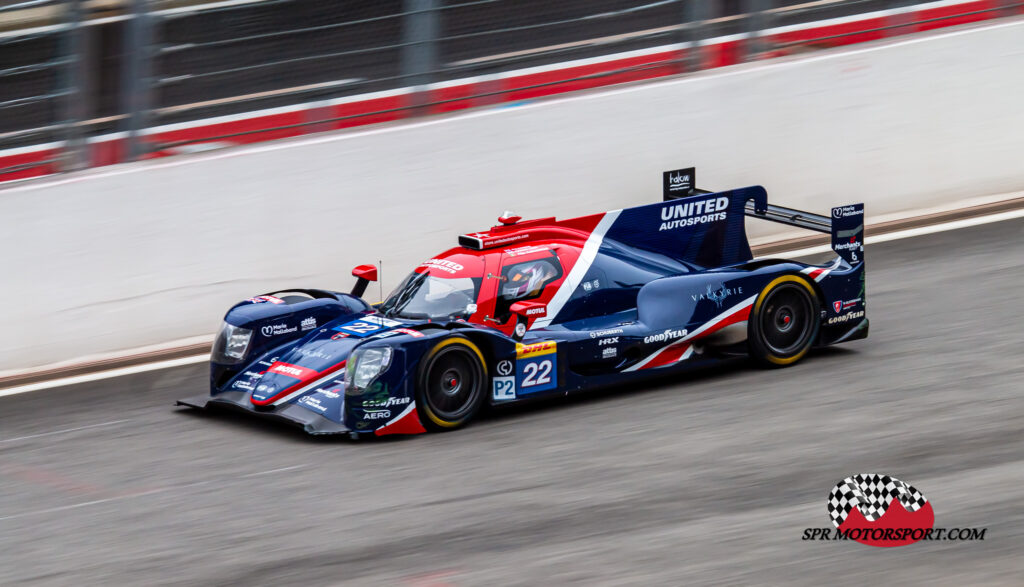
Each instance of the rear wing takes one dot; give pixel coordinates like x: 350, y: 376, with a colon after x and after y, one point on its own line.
x: 846, y: 224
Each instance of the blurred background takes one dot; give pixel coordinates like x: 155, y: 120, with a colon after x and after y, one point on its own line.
x: 96, y: 82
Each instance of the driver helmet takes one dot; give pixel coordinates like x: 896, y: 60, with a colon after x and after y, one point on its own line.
x: 527, y: 280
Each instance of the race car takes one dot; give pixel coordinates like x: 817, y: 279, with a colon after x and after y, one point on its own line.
x: 535, y: 308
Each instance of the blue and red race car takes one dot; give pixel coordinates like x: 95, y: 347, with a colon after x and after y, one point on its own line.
x: 542, y: 307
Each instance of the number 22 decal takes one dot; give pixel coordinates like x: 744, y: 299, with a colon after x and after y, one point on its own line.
x: 361, y: 327
x: 538, y: 373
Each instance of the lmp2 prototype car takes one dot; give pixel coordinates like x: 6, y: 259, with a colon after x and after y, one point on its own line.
x: 538, y: 308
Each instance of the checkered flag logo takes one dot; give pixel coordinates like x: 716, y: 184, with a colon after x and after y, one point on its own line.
x: 871, y: 494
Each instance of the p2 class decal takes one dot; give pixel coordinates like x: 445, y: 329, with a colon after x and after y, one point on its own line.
x: 367, y: 326
x: 865, y: 506
x: 536, y: 367
x: 503, y: 388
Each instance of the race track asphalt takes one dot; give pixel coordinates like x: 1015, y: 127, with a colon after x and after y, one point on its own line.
x: 711, y: 480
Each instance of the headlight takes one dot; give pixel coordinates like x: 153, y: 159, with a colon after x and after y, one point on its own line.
x: 365, y: 365
x: 231, y: 345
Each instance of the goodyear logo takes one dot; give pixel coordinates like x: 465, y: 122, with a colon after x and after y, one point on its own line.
x: 525, y: 351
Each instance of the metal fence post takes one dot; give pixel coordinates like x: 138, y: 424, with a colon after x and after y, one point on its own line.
x: 900, y: 23
x: 758, y: 21
x: 420, y: 31
x: 695, y: 14
x: 135, y: 77
x: 74, y: 155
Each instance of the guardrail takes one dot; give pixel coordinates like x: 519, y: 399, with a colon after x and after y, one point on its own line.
x: 190, y: 78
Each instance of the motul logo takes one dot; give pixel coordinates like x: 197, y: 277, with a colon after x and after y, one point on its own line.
x: 292, y: 370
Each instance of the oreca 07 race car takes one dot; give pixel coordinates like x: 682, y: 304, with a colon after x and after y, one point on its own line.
x: 544, y: 307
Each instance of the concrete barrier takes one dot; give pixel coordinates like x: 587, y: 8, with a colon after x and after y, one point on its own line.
x: 153, y: 252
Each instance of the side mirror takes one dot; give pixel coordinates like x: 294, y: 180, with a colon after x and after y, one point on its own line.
x: 364, y: 274
x: 524, y: 311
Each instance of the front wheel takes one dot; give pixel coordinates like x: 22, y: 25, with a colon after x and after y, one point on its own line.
x: 451, y: 383
x: 784, y: 322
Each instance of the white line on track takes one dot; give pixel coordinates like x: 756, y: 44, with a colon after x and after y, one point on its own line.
x: 105, y: 374
x: 65, y: 431
x: 891, y: 236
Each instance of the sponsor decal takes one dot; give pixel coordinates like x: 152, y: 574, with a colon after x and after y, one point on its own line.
x: 329, y: 393
x: 264, y: 299
x: 717, y: 295
x: 385, y: 402
x: 504, y: 367
x: 609, y: 340
x: 443, y: 265
x: 881, y: 510
x: 524, y: 351
x: 844, y: 211
x: 666, y: 335
x: 263, y: 388
x: 243, y: 384
x: 308, y: 324
x: 317, y: 354
x: 504, y: 388
x: 313, y: 402
x: 680, y: 181
x: 609, y: 352
x: 591, y: 285
x: 247, y: 380
x: 600, y: 333
x: 409, y: 331
x: 841, y: 305
x: 338, y: 335
x: 846, y: 317
x: 490, y: 242
x: 523, y: 250
x: 277, y: 329
x: 852, y: 245
x: 536, y: 311
x: 693, y: 213
x: 536, y: 366
x: 520, y: 330
x: 376, y: 414
x: 292, y: 371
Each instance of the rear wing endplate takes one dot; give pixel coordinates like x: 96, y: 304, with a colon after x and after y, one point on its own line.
x: 846, y: 224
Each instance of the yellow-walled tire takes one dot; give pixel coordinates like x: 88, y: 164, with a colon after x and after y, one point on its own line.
x: 451, y: 384
x: 784, y: 322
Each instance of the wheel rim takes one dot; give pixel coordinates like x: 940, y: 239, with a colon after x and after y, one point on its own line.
x: 787, y: 320
x: 454, y: 382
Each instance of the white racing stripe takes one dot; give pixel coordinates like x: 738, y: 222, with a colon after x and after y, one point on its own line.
x: 692, y: 335
x: 105, y: 374
x: 892, y: 236
x: 579, y: 270
x: 318, y: 381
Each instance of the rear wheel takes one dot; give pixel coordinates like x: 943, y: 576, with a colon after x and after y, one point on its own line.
x: 451, y: 383
x: 784, y: 322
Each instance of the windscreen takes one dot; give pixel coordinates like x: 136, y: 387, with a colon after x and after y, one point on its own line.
x: 425, y: 296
